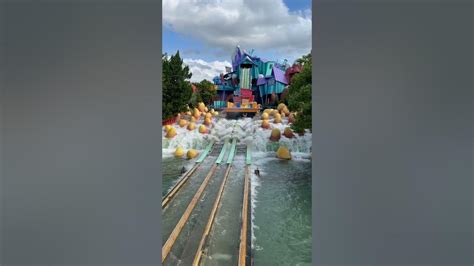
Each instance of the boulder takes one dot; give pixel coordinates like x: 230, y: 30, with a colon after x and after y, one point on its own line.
x: 283, y: 153
x: 265, y: 116
x: 288, y: 133
x: 171, y: 133
x: 191, y: 154
x: 281, y: 106
x: 203, y: 129
x: 275, y: 135
x: 191, y: 126
x: 179, y: 152
x: 182, y: 122
x: 291, y: 118
x: 265, y: 124
x: 277, y: 118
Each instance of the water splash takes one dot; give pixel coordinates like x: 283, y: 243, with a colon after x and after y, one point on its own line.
x: 247, y: 131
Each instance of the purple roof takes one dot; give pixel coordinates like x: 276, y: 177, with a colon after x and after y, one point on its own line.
x: 280, y: 75
x: 261, y: 81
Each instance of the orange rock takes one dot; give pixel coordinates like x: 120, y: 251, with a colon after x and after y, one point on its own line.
x: 191, y: 126
x: 171, y: 133
x: 182, y: 122
x: 203, y: 129
x: 288, y: 133
x: 265, y: 124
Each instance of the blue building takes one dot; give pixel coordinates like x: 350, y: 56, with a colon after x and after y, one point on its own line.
x: 263, y: 77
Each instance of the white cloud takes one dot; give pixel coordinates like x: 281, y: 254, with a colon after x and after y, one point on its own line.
x: 205, y: 70
x: 222, y: 24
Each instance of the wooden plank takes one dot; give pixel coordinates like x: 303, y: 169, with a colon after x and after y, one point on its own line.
x: 243, y: 231
x: 210, y: 222
x: 179, y: 226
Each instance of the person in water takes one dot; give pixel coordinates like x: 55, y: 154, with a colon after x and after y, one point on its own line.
x: 183, y: 170
x: 257, y: 172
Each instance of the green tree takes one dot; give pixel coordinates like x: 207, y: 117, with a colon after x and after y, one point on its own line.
x: 176, y: 87
x: 206, y: 91
x: 299, y: 95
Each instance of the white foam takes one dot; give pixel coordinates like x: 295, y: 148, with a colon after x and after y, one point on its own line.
x: 247, y: 131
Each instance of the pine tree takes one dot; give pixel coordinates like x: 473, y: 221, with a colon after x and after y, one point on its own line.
x: 176, y: 86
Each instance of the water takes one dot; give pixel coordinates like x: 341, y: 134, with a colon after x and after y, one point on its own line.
x: 172, y: 171
x: 280, y: 199
x: 175, y: 209
x: 281, y: 212
x: 224, y: 239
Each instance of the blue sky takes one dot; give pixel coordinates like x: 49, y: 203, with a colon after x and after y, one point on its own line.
x: 206, y: 31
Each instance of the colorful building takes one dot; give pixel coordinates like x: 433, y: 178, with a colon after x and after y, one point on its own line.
x: 266, y: 79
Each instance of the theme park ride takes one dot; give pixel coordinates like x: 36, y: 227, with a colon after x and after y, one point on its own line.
x: 251, y: 84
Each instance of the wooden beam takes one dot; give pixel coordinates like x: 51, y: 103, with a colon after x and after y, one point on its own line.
x: 179, y: 226
x: 243, y: 231
x: 210, y: 222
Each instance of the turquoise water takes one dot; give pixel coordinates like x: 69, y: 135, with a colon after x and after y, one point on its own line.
x: 172, y: 172
x: 282, y: 213
x: 281, y: 199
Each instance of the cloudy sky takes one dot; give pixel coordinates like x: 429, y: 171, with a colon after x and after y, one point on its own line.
x: 206, y: 31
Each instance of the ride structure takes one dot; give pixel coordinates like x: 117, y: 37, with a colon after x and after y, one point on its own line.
x: 251, y: 82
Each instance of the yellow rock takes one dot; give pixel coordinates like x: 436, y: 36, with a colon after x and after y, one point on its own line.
x: 265, y: 124
x: 212, y: 110
x: 167, y: 127
x: 191, y: 126
x: 196, y: 111
x: 282, y: 115
x: 193, y: 119
x: 275, y: 135
x: 281, y: 106
x: 201, y: 106
x: 268, y: 111
x: 203, y: 129
x: 285, y: 111
x: 208, y: 115
x: 171, y: 133
x: 277, y: 118
x: 191, y: 154
x: 197, y: 116
x: 188, y: 112
x: 179, y: 152
x: 274, y: 112
x: 205, y: 109
x: 265, y: 116
x: 207, y: 121
x: 182, y: 122
x: 217, y: 113
x: 288, y: 133
x: 283, y: 153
